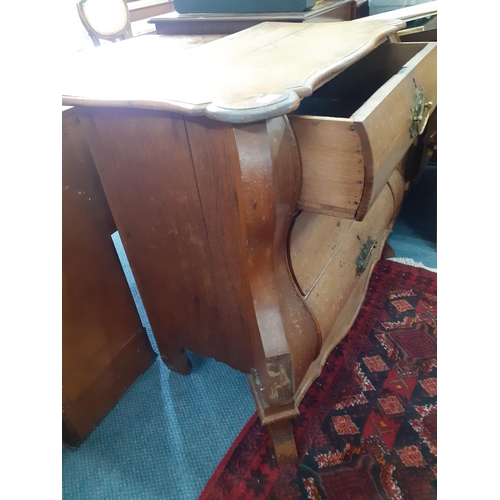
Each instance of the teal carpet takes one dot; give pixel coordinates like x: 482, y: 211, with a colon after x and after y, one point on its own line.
x: 168, y: 433
x: 414, y: 234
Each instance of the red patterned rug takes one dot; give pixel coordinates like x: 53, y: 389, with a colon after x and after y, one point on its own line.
x: 367, y: 426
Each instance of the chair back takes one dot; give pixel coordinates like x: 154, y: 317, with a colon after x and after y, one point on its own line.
x: 105, y: 19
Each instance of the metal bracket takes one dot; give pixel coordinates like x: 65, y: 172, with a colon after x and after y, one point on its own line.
x: 365, y: 252
x: 419, y: 110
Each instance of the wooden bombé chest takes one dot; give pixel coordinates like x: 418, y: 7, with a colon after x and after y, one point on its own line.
x: 253, y: 180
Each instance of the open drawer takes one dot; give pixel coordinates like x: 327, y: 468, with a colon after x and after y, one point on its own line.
x: 352, y: 131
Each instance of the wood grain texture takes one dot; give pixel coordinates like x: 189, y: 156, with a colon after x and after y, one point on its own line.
x: 338, y: 292
x: 204, y: 179
x: 327, y: 297
x: 149, y: 174
x: 270, y: 173
x: 312, y: 241
x: 332, y: 165
x: 237, y: 85
x: 104, y: 345
x: 349, y: 152
x: 203, y: 211
x: 383, y: 122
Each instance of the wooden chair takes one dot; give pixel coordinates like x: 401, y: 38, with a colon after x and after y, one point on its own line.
x: 105, y: 19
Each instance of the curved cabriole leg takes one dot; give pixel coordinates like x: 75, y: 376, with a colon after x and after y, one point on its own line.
x: 283, y: 441
x: 288, y: 333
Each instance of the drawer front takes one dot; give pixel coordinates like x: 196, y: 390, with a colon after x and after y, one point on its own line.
x: 384, y: 122
x: 313, y: 241
x: 325, y: 255
x: 349, y: 152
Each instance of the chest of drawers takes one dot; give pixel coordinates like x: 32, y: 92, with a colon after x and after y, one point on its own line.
x: 253, y: 181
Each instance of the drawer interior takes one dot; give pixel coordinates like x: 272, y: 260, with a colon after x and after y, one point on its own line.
x: 348, y: 91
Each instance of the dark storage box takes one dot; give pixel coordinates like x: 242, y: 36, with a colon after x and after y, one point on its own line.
x: 241, y: 6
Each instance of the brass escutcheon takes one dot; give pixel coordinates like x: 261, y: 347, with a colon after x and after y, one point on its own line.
x: 365, y: 252
x: 419, y: 111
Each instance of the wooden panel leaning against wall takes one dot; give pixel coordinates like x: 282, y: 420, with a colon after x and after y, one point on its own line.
x: 104, y: 345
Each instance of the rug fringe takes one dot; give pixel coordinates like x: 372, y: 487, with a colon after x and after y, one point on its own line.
x: 411, y: 262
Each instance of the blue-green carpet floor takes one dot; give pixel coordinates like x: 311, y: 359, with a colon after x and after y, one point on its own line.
x: 168, y: 433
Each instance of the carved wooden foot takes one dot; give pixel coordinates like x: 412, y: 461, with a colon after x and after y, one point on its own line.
x: 283, y: 441
x: 388, y: 252
x: 178, y: 363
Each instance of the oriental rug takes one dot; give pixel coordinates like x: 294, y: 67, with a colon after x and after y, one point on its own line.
x: 368, y: 425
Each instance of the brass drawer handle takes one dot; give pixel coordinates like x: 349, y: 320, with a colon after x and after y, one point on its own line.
x: 365, y: 253
x: 419, y: 111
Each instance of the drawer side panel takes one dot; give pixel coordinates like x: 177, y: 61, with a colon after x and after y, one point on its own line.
x: 332, y: 165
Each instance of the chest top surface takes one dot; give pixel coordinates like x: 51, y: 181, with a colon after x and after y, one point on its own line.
x: 255, y: 74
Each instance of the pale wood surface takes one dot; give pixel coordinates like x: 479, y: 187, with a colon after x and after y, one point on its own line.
x: 337, y: 294
x: 310, y: 250
x: 330, y: 291
x: 347, y: 161
x: 384, y: 119
x: 332, y: 165
x: 397, y: 185
x: 255, y: 74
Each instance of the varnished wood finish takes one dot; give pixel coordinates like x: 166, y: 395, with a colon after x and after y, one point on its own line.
x: 203, y: 250
x: 337, y: 293
x: 149, y: 175
x: 270, y: 172
x: 283, y: 441
x: 348, y: 158
x: 383, y: 122
x: 310, y: 250
x: 104, y: 345
x: 237, y: 84
x: 330, y: 291
x: 206, y: 206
